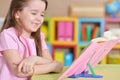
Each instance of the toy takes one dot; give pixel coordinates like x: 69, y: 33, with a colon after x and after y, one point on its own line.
x: 68, y: 58
x: 88, y: 59
x: 112, y: 7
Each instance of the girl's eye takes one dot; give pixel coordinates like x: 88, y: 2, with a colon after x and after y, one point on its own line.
x: 42, y: 15
x: 34, y: 13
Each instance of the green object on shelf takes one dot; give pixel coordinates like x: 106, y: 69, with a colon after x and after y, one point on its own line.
x: 98, y: 32
x: 88, y: 32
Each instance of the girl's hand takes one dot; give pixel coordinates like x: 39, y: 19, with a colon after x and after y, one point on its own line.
x: 30, y: 73
x: 27, y: 64
x: 99, y: 39
x: 108, y: 35
x: 57, y: 66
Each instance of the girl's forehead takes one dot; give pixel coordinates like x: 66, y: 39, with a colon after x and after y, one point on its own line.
x: 35, y: 4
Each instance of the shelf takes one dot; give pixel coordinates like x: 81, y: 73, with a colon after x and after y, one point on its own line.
x: 64, y: 30
x: 65, y: 46
x: 89, y: 28
x: 45, y: 28
x: 112, y: 23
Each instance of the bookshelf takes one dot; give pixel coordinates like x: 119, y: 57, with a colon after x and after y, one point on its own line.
x: 112, y: 23
x: 89, y: 28
x: 61, y: 32
x: 45, y: 28
x: 62, y: 40
x: 64, y: 53
x: 80, y: 48
x: 114, y: 56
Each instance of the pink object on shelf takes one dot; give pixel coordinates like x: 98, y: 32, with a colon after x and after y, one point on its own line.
x: 60, y: 30
x: 69, y: 31
x: 91, y: 55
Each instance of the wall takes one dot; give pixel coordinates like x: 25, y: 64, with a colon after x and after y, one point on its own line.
x: 55, y: 8
x: 4, y: 4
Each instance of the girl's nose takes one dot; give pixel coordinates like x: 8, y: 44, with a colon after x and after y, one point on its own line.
x: 38, y: 18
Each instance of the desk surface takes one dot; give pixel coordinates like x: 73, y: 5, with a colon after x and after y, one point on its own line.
x: 109, y: 72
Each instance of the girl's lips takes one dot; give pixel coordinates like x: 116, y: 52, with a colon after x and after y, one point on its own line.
x: 36, y: 25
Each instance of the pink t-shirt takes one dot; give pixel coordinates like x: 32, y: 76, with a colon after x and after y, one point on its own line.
x: 9, y: 40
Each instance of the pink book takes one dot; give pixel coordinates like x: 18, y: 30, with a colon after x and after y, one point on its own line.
x: 60, y: 30
x: 69, y: 31
x: 102, y: 51
x: 80, y: 62
x: 92, y: 54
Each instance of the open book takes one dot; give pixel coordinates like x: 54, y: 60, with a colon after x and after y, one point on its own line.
x: 88, y: 59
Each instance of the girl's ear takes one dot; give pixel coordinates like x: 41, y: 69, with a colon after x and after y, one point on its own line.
x: 17, y: 15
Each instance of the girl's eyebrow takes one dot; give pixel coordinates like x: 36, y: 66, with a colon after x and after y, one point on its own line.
x: 36, y: 10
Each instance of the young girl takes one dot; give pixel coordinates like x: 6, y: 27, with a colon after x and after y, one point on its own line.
x: 23, y: 51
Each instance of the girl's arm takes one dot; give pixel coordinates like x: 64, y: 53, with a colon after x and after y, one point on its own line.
x: 39, y: 60
x: 13, y: 59
x: 27, y: 64
x: 50, y: 67
x: 46, y: 54
x: 16, y: 64
x: 41, y: 67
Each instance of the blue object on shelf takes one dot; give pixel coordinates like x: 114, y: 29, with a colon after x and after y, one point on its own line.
x: 112, y: 8
x: 68, y: 58
x: 49, y: 48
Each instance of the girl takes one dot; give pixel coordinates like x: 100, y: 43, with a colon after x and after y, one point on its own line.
x: 23, y: 51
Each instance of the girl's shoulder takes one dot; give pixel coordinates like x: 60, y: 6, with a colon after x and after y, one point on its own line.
x: 9, y: 32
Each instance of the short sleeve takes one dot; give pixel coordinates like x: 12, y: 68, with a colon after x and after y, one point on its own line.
x: 44, y: 45
x: 7, y: 41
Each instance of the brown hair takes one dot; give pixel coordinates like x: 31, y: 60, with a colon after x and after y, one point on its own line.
x: 10, y: 21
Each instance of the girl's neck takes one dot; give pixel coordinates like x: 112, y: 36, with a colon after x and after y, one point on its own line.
x: 26, y: 34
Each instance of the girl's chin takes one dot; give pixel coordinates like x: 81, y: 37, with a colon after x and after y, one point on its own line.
x: 34, y: 30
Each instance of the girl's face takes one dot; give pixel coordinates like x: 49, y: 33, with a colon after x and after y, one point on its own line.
x: 31, y: 17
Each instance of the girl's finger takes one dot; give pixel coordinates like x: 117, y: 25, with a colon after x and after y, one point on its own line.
x: 29, y: 67
x: 20, y: 67
x: 24, y: 68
